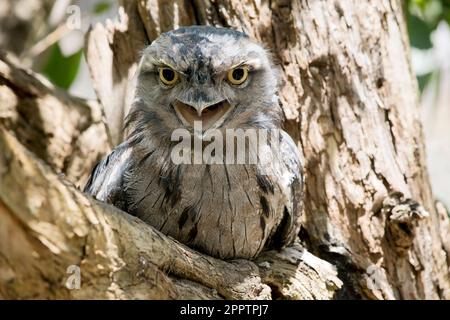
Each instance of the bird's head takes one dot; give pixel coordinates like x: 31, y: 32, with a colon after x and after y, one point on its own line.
x: 214, y: 75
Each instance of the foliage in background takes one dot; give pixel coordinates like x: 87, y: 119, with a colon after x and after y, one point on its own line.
x: 423, y: 17
x: 63, y: 69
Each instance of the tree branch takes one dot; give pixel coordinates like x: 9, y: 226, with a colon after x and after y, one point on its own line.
x: 47, y: 225
x: 67, y: 133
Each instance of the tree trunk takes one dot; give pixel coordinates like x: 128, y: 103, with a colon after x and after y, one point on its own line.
x: 350, y: 101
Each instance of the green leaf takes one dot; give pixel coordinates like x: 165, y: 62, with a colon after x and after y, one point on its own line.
x: 101, y: 7
x: 419, y: 32
x: 420, y: 3
x: 447, y: 16
x: 60, y: 70
x: 423, y: 80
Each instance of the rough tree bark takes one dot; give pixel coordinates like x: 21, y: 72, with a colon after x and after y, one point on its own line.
x: 350, y: 102
x: 69, y: 134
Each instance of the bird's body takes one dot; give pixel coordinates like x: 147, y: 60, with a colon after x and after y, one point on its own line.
x: 228, y: 210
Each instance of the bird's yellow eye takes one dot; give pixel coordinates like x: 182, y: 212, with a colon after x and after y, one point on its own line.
x: 237, y: 75
x: 168, y: 76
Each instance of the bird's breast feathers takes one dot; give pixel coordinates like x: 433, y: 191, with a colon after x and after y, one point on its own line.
x: 225, y: 210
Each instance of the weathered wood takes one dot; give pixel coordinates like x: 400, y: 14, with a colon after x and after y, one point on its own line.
x: 48, y: 225
x: 350, y: 101
x: 66, y: 132
x: 113, y: 57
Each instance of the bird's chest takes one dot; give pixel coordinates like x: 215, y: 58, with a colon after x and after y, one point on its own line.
x: 224, y: 210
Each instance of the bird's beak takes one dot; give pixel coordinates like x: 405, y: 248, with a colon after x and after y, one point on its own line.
x: 211, y: 116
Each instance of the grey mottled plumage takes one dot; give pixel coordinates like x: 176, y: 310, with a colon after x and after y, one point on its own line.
x: 226, y: 210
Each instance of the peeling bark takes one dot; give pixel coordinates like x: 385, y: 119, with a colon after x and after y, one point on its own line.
x: 114, y: 52
x: 350, y: 101
x: 66, y: 132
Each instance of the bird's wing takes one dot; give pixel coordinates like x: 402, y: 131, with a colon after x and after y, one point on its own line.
x: 290, y: 180
x: 107, y: 178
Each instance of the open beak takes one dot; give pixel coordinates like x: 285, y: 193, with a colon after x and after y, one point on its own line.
x: 210, y: 115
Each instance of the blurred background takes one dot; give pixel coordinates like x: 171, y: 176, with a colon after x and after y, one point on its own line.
x: 37, y: 32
